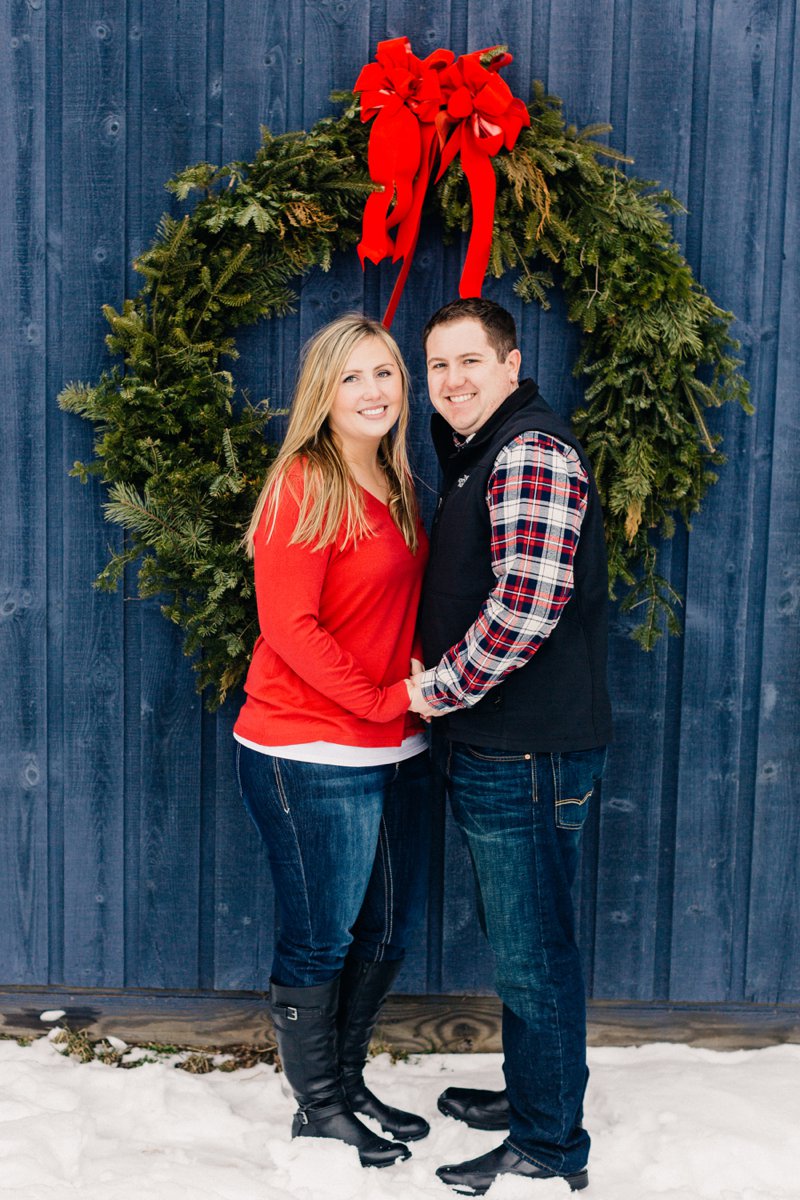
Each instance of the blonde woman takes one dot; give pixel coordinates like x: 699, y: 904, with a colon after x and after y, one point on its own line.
x: 332, y: 765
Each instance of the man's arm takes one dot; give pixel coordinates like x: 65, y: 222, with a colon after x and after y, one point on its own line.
x: 537, y: 497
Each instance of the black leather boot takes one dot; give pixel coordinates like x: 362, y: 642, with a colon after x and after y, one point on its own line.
x: 475, y: 1107
x: 363, y: 989
x: 475, y: 1177
x: 305, y: 1030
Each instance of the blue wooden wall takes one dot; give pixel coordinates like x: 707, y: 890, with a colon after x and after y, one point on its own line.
x: 126, y: 859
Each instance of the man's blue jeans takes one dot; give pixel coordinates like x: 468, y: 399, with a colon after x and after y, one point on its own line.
x: 522, y: 815
x: 348, y: 849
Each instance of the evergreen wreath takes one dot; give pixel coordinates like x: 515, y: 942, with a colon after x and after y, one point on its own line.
x: 184, y: 460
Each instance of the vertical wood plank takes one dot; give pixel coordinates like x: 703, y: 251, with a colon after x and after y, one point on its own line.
x: 23, y: 565
x: 579, y: 54
x: 244, y: 910
x: 651, y: 114
x: 265, y: 89
x: 773, y: 934
x: 164, y: 752
x: 93, y: 184
x: 125, y: 853
x: 726, y: 562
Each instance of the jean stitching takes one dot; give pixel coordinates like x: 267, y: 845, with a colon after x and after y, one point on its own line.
x: 388, y: 887
x: 483, y: 756
x: 528, y: 1157
x: 279, y: 781
x: 279, y: 784
x: 238, y: 770
x: 562, y: 818
x: 562, y: 1129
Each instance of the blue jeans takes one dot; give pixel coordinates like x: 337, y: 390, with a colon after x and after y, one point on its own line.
x: 348, y: 849
x: 521, y: 816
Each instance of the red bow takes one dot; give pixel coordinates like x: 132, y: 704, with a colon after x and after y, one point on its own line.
x: 424, y: 109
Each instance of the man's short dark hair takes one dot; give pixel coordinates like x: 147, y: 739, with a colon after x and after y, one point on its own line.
x: 496, y: 322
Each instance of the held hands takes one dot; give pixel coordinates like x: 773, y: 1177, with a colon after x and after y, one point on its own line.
x: 416, y: 701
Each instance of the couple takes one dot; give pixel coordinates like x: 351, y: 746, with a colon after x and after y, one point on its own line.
x: 506, y: 609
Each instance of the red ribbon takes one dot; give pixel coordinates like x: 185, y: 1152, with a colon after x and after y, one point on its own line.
x: 427, y: 110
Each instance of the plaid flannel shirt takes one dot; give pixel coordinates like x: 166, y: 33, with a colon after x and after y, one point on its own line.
x: 537, y: 495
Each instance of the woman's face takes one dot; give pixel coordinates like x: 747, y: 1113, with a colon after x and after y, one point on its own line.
x: 369, y: 396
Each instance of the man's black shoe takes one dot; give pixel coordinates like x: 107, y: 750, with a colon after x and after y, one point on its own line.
x: 475, y: 1107
x: 475, y: 1177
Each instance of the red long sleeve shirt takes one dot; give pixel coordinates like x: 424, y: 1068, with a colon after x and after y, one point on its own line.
x: 336, y: 634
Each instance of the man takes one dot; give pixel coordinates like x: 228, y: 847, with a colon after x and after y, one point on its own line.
x: 514, y: 629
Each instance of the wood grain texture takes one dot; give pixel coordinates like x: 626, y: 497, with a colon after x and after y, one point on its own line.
x: 773, y: 934
x: 91, y: 59
x: 126, y: 857
x: 243, y: 900
x: 650, y: 109
x: 167, y: 97
x: 23, y: 561
x: 726, y: 549
x: 408, y: 1024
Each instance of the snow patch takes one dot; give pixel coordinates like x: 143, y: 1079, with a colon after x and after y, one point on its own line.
x: 667, y: 1123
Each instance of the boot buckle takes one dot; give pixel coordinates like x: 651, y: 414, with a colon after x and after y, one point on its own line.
x: 291, y: 1013
x: 303, y: 1116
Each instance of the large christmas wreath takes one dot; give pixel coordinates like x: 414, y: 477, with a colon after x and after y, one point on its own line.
x: 184, y: 457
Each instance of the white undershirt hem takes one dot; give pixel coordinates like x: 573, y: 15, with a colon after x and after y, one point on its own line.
x: 334, y: 755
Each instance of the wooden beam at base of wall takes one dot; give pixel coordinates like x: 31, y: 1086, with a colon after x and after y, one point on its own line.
x: 409, y: 1024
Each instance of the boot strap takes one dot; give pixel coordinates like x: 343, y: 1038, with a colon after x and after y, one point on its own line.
x: 333, y: 1109
x: 292, y: 1012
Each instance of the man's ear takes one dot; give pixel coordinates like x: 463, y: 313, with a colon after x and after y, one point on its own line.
x: 514, y: 363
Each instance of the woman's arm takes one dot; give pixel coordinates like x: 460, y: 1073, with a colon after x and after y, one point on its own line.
x: 289, y: 581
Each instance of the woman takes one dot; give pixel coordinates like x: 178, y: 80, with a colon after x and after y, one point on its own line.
x: 332, y: 765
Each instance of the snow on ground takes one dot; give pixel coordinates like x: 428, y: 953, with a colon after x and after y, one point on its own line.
x: 668, y: 1122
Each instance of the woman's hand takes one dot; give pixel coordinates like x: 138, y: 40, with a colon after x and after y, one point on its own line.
x: 416, y: 701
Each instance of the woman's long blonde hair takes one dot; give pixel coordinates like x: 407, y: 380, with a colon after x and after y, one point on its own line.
x: 331, y: 497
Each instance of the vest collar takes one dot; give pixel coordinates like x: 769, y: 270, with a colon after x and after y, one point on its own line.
x: 442, y: 435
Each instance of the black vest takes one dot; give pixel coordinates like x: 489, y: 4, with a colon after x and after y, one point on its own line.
x: 558, y: 701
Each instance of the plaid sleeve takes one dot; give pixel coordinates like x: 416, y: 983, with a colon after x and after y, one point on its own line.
x: 537, y: 496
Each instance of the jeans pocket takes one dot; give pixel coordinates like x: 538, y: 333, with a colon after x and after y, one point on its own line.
x: 490, y: 754
x: 237, y: 764
x: 576, y: 776
x: 279, y: 785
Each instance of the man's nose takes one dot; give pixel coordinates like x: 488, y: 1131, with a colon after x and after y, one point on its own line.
x: 454, y: 377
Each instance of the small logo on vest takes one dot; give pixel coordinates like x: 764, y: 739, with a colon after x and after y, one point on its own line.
x: 463, y: 480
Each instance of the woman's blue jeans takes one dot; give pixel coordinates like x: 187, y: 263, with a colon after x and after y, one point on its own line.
x: 348, y: 849
x: 522, y: 816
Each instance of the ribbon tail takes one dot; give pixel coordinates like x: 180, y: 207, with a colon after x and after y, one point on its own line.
x: 408, y: 231
x: 375, y: 243
x: 394, y: 160
x: 397, y: 290
x: 483, y: 191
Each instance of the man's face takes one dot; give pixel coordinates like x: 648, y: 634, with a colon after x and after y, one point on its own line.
x: 466, y: 380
